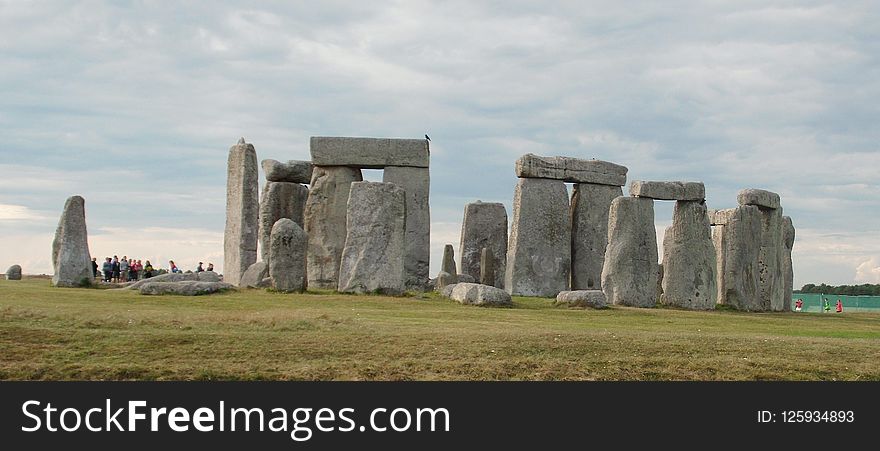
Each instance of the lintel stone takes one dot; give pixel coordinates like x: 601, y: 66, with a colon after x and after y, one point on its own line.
x: 369, y: 153
x: 668, y: 190
x: 567, y: 169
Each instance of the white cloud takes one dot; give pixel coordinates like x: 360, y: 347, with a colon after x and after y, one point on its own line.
x: 868, y: 271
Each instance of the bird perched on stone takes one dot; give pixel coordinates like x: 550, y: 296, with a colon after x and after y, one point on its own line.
x: 427, y: 137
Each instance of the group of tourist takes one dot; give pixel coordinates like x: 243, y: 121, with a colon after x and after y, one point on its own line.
x: 124, y: 270
x: 826, y: 306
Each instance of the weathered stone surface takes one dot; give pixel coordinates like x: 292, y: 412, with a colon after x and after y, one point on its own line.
x: 167, y: 277
x: 372, y: 260
x: 659, y: 281
x: 416, y: 182
x: 569, y: 169
x: 589, y: 233
x: 445, y: 279
x: 758, y: 197
x: 771, y: 260
x: 448, y: 263
x: 293, y: 171
x: 629, y: 276
x: 280, y: 200
x: 689, y: 279
x: 70, y: 249
x: 447, y: 290
x: 539, y: 252
x: 208, y: 276
x: 254, y: 275
x: 287, y: 259
x: 668, y: 190
x: 484, y: 226
x: 482, y: 295
x: 183, y: 288
x: 242, y: 211
x: 787, y: 268
x: 325, y: 222
x: 581, y: 298
x: 737, y: 245
x: 487, y: 267
x: 13, y: 273
x: 369, y: 153
x: 465, y: 278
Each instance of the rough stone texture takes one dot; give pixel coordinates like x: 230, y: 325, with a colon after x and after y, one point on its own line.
x: 372, y: 260
x: 294, y: 171
x: 70, y: 249
x: 369, y: 153
x: 445, y: 279
x: 668, y: 190
x: 589, y: 233
x: 787, y: 268
x: 771, y: 260
x: 569, y: 169
x: 448, y: 263
x: 630, y: 274
x: 253, y: 277
x: 539, y: 252
x: 484, y: 226
x: 659, y: 281
x: 280, y: 200
x: 325, y: 219
x: 447, y: 290
x: 242, y: 211
x: 416, y: 182
x: 581, y: 298
x: 208, y: 276
x: 466, y: 278
x: 183, y: 288
x: 482, y: 295
x: 13, y: 273
x: 287, y: 259
x: 167, y: 277
x: 758, y: 197
x: 737, y: 246
x: 689, y: 279
x: 487, y: 267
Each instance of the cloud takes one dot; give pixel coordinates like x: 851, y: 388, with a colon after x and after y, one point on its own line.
x: 868, y: 271
x: 18, y: 213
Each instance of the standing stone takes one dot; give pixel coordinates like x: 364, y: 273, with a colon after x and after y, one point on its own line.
x: 689, y: 279
x: 788, y: 269
x: 416, y: 182
x: 487, y: 267
x: 70, y: 249
x: 448, y: 274
x: 539, y: 252
x: 280, y: 200
x: 254, y: 276
x: 771, y: 260
x: 287, y: 262
x: 737, y: 245
x: 629, y: 276
x: 13, y: 273
x: 484, y: 226
x: 242, y: 212
x: 589, y: 233
x: 372, y: 259
x: 325, y: 222
x: 659, y: 281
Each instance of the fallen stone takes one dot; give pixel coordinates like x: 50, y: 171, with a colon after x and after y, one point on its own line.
x: 325, y: 223
x: 539, y: 254
x: 70, y: 249
x: 581, y: 298
x: 167, y: 277
x: 253, y: 277
x: 668, y: 190
x: 737, y: 246
x: 569, y: 169
x: 294, y: 171
x: 466, y: 278
x: 416, y: 182
x: 787, y: 268
x: 487, y: 267
x: 482, y: 295
x: 280, y: 200
x: 185, y: 288
x: 759, y: 198
x: 484, y: 226
x: 369, y: 153
x: 689, y: 279
x: 629, y: 276
x: 287, y: 259
x: 447, y: 290
x: 589, y: 233
x: 13, y: 273
x: 372, y: 260
x: 208, y: 276
x: 242, y: 211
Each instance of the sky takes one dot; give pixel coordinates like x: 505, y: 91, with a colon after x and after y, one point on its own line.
x: 134, y: 106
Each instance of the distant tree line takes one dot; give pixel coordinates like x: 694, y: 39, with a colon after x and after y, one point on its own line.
x: 865, y: 289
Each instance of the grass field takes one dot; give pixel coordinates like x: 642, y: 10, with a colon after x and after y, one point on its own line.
x: 52, y: 333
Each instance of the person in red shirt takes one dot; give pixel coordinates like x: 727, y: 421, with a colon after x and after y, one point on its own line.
x: 839, y: 306
x: 798, y: 305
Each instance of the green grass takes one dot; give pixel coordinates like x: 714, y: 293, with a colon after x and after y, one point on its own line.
x: 53, y: 333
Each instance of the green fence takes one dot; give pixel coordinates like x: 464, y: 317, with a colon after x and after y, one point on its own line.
x: 813, y: 302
